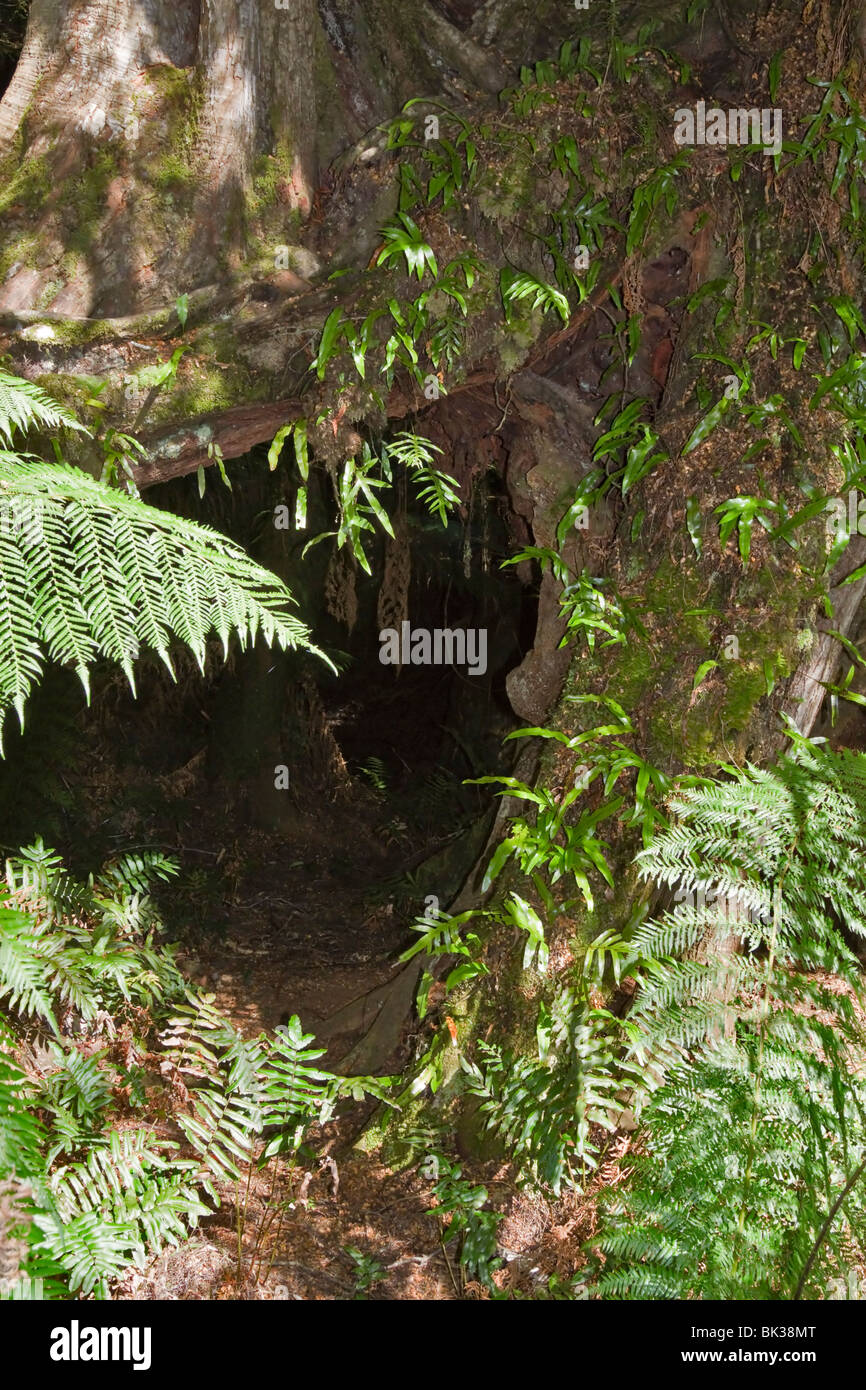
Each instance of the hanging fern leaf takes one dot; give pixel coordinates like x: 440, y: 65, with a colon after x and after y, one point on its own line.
x: 97, y: 573
x: 517, y: 284
x: 437, y: 490
x: 87, y: 571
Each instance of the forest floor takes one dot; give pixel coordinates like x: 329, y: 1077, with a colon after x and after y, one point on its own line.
x: 304, y: 922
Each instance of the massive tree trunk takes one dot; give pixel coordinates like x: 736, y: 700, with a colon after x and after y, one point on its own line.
x: 158, y: 148
x: 236, y: 152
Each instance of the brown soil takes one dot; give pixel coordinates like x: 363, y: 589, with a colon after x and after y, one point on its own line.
x: 356, y: 1201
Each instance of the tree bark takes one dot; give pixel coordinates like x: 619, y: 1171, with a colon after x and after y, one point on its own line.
x: 190, y: 131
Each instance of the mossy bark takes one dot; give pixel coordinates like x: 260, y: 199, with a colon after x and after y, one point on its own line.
x: 173, y: 147
x: 761, y: 621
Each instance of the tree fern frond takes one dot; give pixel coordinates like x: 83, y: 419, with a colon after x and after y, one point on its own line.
x: 23, y: 406
x: 100, y: 573
x: 760, y: 1120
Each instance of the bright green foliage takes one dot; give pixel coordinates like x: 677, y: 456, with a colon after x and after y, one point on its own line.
x: 518, y: 285
x: 629, y: 437
x: 468, y: 1222
x: 441, y: 935
x: 451, y: 164
x: 368, y: 1271
x: 548, y: 1109
x: 96, y: 573
x: 657, y: 189
x: 24, y: 406
x: 552, y: 842
x: 88, y: 571
x: 360, y: 508
x: 756, y: 1140
x: 555, y: 842
x: 81, y: 947
x: 838, y: 126
x: 361, y: 480
x: 742, y: 1052
x: 84, y: 953
x: 242, y: 1087
x: 82, y: 960
x: 437, y: 490
x: 403, y: 238
x: 94, y: 1217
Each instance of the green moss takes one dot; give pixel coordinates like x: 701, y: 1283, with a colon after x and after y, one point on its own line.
x: 170, y: 168
x: 49, y: 291
x: 200, y: 390
x: 72, y: 333
x: 172, y: 174
x: 87, y: 195
x: 70, y: 390
x: 269, y: 171
x: 514, y: 348
x: 28, y: 184
x: 745, y: 685
x: 173, y: 84
x: 21, y: 249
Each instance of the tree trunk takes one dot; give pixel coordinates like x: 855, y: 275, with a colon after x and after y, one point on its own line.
x: 186, y: 134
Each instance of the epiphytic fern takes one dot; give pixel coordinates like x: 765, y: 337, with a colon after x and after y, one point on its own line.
x: 548, y: 1110
x: 437, y: 490
x: 362, y: 478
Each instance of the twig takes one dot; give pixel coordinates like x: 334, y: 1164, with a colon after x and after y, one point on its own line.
x: 822, y: 1234
x: 448, y: 1264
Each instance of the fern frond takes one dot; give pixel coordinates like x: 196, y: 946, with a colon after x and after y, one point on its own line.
x: 437, y: 490
x: 96, y: 1217
x: 759, y: 1120
x: 21, y: 1134
x: 23, y: 406
x: 100, y: 573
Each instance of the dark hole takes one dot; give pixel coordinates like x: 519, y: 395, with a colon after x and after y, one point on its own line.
x: 377, y: 758
x: 13, y: 24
